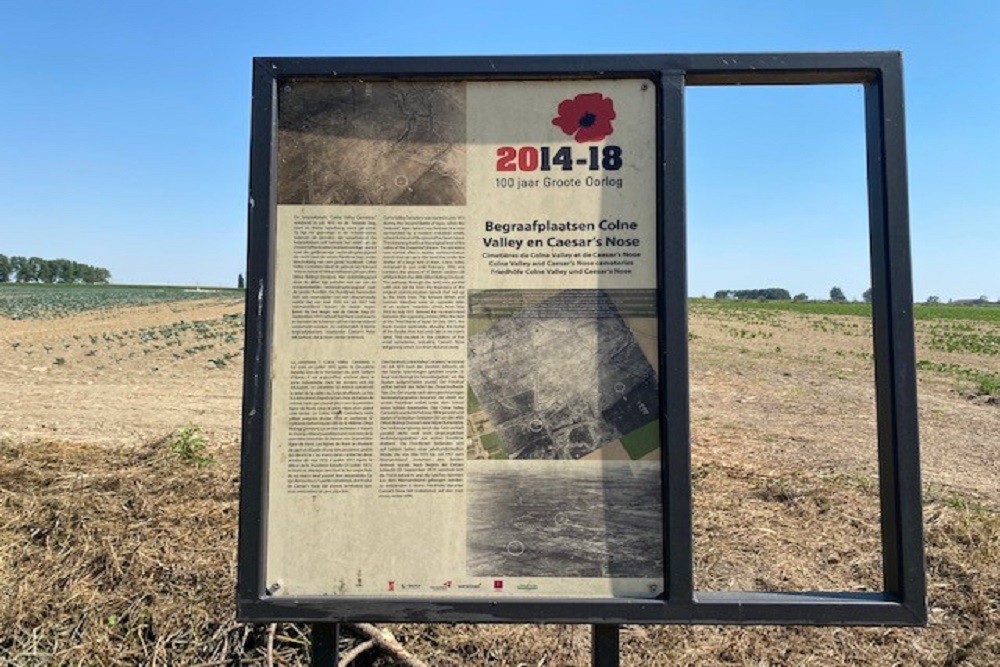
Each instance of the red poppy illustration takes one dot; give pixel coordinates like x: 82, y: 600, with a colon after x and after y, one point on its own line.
x: 586, y: 117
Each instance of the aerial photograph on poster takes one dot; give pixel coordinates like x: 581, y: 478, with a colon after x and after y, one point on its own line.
x: 566, y: 377
x: 564, y: 519
x: 372, y: 143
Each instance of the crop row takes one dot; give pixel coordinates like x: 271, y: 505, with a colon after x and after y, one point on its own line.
x: 223, y: 336
x: 984, y: 383
x: 964, y: 339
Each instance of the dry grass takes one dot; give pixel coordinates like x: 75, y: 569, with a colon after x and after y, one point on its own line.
x: 125, y: 557
x: 117, y: 557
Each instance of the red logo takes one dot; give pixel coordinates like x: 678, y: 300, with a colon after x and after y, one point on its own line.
x: 586, y: 117
x: 392, y: 585
x: 498, y: 584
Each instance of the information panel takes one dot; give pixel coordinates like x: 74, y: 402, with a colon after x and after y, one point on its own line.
x: 463, y: 359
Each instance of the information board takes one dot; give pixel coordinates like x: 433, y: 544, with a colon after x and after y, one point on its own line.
x: 463, y: 374
x: 466, y: 385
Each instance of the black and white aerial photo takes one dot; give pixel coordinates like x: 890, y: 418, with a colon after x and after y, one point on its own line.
x: 371, y: 143
x: 562, y: 378
x: 556, y: 519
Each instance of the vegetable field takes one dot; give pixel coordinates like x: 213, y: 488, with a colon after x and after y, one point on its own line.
x: 27, y: 302
x: 940, y: 311
x: 961, y: 343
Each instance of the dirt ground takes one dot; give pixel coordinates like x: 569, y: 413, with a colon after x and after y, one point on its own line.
x: 797, y: 391
x: 125, y: 376
x: 781, y: 389
x: 783, y: 429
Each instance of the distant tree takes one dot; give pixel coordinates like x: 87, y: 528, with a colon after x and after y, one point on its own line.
x: 723, y: 294
x: 801, y: 296
x: 23, y: 269
x: 4, y: 268
x: 47, y: 271
x: 83, y: 273
x: 240, y: 283
x: 982, y: 300
x: 867, y: 295
x: 933, y: 300
x: 837, y: 295
x: 64, y: 271
x: 37, y: 267
x: 90, y: 274
x: 15, y: 267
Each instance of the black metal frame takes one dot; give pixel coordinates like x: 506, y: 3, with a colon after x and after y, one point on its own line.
x: 902, y: 602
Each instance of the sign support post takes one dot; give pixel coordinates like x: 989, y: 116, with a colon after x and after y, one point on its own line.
x: 604, y: 645
x: 325, y: 644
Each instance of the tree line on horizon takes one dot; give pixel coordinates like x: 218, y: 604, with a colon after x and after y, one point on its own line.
x: 767, y: 294
x: 836, y: 296
x: 38, y: 270
x: 779, y: 294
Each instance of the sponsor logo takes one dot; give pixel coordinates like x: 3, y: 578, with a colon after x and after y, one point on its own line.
x: 498, y: 584
x: 527, y: 587
x: 392, y: 585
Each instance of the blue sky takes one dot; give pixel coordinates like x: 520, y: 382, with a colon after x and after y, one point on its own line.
x: 124, y: 127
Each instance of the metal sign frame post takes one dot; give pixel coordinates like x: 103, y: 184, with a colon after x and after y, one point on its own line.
x: 902, y: 600
x: 325, y: 644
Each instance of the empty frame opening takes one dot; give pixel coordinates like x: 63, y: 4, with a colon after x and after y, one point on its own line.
x: 783, y: 419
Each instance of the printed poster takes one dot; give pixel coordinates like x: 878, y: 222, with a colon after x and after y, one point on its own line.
x: 464, y: 381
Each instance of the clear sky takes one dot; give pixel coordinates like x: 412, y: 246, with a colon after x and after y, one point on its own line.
x: 124, y: 127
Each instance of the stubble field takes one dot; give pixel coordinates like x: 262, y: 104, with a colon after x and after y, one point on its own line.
x: 118, y: 536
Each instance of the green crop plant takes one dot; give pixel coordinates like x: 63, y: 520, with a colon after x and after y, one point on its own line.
x: 948, y: 339
x: 988, y: 385
x: 983, y: 383
x: 189, y: 446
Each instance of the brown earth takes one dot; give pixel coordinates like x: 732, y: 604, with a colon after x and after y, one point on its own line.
x: 115, y: 551
x: 800, y: 394
x: 115, y: 378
